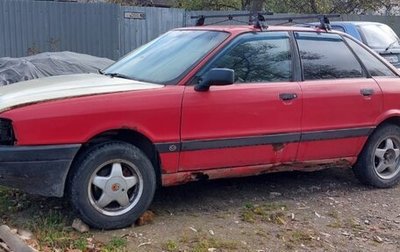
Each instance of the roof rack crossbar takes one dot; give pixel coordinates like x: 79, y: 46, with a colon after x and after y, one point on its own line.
x: 259, y: 20
x: 230, y: 15
x: 323, y: 19
x: 254, y: 18
x: 318, y: 16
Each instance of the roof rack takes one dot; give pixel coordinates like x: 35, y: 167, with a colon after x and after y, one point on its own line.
x: 259, y: 21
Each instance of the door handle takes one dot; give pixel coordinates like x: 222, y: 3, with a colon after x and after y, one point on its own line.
x: 367, y: 91
x: 287, y: 96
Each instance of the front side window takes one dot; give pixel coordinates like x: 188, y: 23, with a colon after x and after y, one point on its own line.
x: 258, y: 57
x: 326, y: 56
x: 168, y: 57
x: 373, y: 65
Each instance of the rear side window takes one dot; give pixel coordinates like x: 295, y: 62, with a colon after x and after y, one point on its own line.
x: 326, y: 56
x: 374, y: 66
x: 258, y: 57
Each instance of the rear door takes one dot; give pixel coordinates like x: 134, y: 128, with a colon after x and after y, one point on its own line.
x: 255, y: 121
x: 340, y: 101
x: 388, y: 80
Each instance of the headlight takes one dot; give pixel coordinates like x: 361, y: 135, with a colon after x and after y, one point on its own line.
x: 6, y: 132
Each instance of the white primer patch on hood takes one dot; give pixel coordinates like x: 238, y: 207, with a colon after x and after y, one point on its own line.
x: 65, y: 86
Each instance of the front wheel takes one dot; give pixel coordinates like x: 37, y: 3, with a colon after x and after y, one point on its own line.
x: 113, y: 184
x: 379, y: 163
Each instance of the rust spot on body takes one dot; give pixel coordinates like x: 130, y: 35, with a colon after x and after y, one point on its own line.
x: 232, y: 172
x: 278, y: 147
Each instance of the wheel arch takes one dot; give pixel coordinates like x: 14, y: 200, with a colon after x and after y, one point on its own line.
x: 390, y: 116
x: 390, y: 120
x: 124, y: 135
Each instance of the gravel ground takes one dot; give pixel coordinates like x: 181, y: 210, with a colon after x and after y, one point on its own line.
x: 326, y: 210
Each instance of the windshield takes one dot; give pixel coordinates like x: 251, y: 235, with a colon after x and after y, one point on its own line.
x: 168, y: 57
x: 378, y: 35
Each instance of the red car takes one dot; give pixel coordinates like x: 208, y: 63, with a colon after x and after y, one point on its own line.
x: 202, y: 103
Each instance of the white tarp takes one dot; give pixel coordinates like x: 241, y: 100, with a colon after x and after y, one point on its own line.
x: 48, y: 64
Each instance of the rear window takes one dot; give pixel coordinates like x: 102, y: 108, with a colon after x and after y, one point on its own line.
x: 374, y: 66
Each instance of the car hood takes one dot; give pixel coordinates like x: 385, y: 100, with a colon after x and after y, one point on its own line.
x: 65, y: 86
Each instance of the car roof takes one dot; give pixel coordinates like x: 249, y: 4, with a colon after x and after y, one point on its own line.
x: 236, y: 29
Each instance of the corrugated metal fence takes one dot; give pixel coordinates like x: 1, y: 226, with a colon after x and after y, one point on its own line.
x: 28, y: 27
x: 104, y: 30
x: 156, y: 21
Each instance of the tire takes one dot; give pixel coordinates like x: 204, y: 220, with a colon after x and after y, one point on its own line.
x: 379, y: 162
x: 112, y: 185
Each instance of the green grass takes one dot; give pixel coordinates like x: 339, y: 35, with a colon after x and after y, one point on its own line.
x: 50, y: 221
x: 294, y: 238
x: 116, y: 244
x: 300, y: 236
x: 81, y: 243
x: 270, y: 212
x: 171, y: 246
x: 12, y: 201
x: 200, y: 242
x: 51, y: 230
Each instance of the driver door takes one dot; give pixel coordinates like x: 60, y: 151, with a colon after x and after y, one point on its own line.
x: 255, y: 121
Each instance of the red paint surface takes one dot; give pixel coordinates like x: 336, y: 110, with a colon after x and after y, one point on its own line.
x: 236, y: 111
x: 177, y: 113
x: 337, y: 104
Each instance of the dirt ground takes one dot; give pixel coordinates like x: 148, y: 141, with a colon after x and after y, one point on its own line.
x: 326, y: 210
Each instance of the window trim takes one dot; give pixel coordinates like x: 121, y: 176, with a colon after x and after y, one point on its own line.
x: 237, y: 40
x: 365, y: 70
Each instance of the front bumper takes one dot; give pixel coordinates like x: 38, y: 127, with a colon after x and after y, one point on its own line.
x: 38, y: 170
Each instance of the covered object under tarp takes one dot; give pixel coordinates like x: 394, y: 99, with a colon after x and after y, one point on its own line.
x: 48, y: 64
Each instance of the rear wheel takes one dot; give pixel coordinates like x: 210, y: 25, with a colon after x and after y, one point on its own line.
x: 379, y: 163
x: 113, y: 184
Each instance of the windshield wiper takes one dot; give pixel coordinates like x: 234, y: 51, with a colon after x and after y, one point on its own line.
x: 118, y: 75
x: 391, y: 45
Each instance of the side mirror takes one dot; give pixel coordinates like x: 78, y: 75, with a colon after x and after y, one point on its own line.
x: 216, y: 76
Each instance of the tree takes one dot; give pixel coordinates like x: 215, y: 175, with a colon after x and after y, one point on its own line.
x: 293, y: 6
x: 209, y: 4
x: 322, y: 6
x: 281, y: 6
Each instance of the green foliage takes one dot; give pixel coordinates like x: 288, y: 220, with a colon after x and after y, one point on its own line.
x: 322, y: 6
x: 123, y: 2
x: 277, y: 6
x: 209, y: 4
